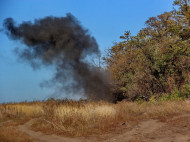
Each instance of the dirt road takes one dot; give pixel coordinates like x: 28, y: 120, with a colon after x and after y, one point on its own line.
x: 46, y: 138
x: 176, y: 129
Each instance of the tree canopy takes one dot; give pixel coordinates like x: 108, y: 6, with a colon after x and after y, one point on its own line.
x: 155, y: 61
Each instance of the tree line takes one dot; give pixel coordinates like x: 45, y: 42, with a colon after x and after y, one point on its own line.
x: 156, y: 61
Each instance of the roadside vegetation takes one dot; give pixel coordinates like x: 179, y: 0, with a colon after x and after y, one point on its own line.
x: 83, y: 118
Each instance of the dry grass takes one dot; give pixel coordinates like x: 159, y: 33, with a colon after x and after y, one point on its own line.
x: 85, y: 118
x: 20, y: 110
x: 76, y: 118
x: 157, y: 110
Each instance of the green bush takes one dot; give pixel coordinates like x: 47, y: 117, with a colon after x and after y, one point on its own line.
x: 175, y: 95
x: 186, y: 91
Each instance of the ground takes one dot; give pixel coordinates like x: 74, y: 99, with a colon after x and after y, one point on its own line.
x: 174, y: 129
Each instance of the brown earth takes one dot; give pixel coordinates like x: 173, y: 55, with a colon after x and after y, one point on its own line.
x: 176, y: 129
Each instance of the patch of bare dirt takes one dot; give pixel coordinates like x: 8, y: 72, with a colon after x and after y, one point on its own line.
x: 142, y: 129
x: 176, y: 129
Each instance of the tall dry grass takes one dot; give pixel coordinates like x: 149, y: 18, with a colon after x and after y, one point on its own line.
x: 21, y: 110
x: 156, y: 110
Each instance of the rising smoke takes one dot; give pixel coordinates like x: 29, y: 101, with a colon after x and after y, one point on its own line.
x: 63, y: 43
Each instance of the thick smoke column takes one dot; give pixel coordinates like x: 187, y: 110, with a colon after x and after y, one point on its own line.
x: 63, y: 43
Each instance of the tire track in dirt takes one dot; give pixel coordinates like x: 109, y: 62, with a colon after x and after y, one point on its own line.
x: 46, y: 138
x: 144, y: 127
x: 180, y: 116
x: 2, y: 123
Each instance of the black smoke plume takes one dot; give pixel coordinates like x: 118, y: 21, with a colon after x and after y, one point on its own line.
x: 63, y: 43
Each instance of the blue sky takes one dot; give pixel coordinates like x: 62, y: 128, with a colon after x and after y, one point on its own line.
x: 106, y: 20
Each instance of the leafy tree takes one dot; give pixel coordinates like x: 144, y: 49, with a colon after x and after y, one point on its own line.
x: 156, y: 60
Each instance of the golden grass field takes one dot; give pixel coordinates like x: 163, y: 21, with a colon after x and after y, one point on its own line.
x: 81, y: 118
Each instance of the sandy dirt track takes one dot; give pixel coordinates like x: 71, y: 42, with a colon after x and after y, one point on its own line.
x: 46, y: 138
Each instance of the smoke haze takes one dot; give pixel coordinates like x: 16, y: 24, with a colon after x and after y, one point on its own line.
x: 63, y: 43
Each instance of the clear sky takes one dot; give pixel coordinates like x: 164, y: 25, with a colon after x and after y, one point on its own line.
x: 106, y: 20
